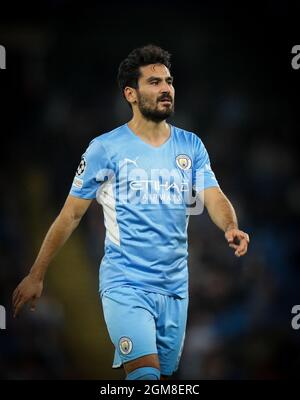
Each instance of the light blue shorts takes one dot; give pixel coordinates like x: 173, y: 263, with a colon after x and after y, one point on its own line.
x: 141, y: 323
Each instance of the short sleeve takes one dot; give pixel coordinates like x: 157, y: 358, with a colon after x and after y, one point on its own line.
x: 92, y: 170
x: 203, y: 175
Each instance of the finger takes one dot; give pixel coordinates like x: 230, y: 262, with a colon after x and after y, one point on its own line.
x: 230, y: 237
x: 242, y: 248
x: 243, y: 252
x: 245, y: 236
x: 18, y: 307
x: 15, y: 294
x: 233, y: 246
x: 17, y: 299
x: 240, y: 253
x: 33, y: 304
x: 244, y: 243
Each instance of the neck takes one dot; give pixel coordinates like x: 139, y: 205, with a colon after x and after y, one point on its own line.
x: 149, y: 130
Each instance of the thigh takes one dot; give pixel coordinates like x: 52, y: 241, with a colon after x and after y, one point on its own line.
x: 171, y: 328
x: 130, y: 323
x: 150, y: 360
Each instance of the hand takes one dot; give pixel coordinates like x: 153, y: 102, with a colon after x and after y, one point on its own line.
x: 28, y: 290
x: 238, y: 240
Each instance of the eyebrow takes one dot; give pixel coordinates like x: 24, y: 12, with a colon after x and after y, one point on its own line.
x: 156, y: 78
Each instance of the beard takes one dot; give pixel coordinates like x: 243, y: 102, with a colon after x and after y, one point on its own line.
x: 151, y: 111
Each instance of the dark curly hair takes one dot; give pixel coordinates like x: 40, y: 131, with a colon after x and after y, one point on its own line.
x: 129, y: 69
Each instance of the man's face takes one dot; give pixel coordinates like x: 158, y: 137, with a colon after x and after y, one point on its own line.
x: 155, y: 92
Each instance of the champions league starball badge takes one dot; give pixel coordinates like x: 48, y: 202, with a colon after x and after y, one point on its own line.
x: 81, y: 167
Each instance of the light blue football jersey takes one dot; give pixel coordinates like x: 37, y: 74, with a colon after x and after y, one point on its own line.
x: 147, y: 196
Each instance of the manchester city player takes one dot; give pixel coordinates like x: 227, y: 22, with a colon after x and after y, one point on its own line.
x: 149, y: 176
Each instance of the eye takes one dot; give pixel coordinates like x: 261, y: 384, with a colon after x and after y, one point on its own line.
x: 154, y: 83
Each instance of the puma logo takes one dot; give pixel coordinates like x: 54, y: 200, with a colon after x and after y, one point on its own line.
x: 129, y: 161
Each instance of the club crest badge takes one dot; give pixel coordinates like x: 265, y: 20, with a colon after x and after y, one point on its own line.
x: 125, y: 345
x: 183, y: 161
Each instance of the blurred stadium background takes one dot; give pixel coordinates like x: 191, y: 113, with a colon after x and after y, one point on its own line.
x: 232, y: 80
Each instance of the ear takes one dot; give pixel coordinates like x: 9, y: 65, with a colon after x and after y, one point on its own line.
x: 130, y: 94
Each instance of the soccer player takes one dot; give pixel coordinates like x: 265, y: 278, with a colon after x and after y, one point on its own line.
x: 149, y: 176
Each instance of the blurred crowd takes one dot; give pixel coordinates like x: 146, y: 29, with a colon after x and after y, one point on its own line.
x: 63, y: 93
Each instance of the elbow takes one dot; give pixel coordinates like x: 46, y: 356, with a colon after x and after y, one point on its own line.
x: 69, y: 218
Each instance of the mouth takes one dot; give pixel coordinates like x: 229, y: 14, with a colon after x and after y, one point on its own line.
x: 165, y: 101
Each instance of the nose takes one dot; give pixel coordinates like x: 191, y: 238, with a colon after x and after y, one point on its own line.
x: 165, y: 88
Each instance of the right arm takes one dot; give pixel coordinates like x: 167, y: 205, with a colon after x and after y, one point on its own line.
x: 30, y: 288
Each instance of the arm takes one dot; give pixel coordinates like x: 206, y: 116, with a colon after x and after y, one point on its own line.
x: 223, y: 215
x: 30, y: 288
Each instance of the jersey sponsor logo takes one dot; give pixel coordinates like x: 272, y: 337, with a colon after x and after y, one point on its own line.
x: 125, y: 345
x: 183, y: 161
x: 81, y: 167
x: 156, y: 185
x: 152, y: 186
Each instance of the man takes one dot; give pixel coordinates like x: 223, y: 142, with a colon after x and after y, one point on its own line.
x: 144, y: 174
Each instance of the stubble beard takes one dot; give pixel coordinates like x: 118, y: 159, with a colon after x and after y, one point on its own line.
x: 152, y: 113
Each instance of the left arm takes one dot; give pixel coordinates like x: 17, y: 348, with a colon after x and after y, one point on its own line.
x: 223, y: 215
